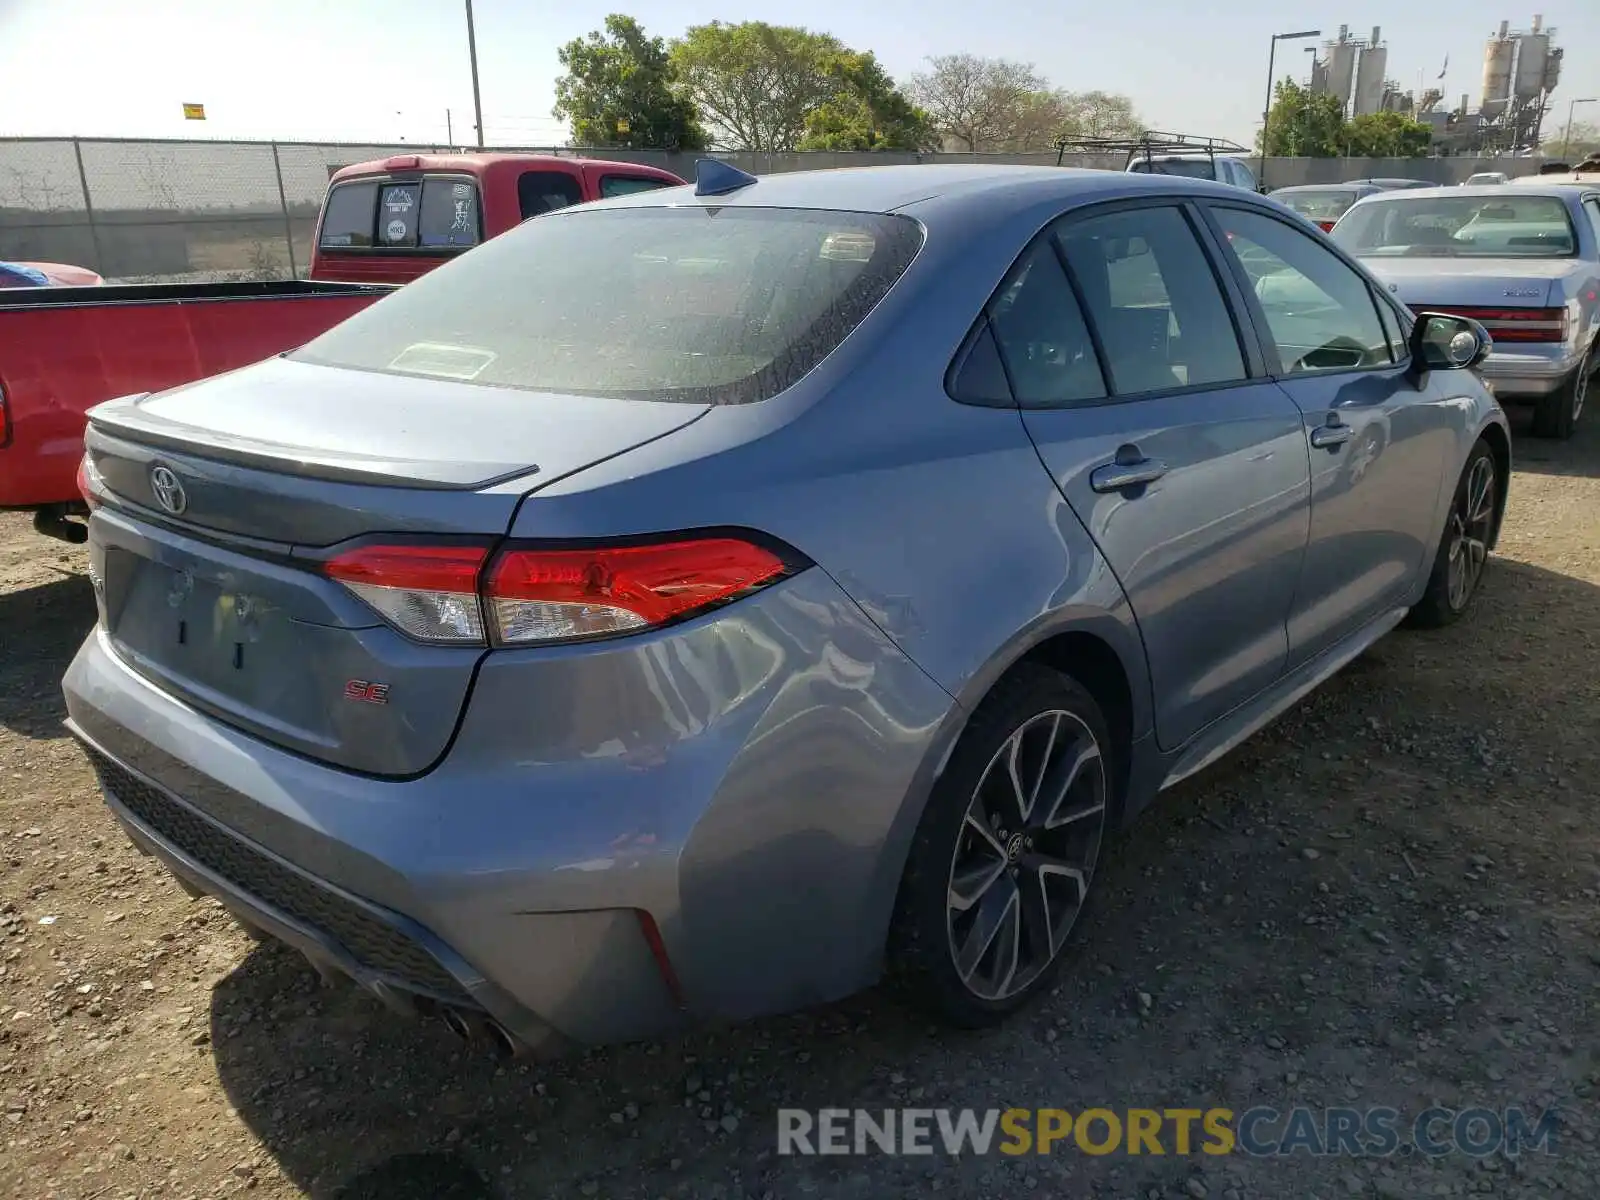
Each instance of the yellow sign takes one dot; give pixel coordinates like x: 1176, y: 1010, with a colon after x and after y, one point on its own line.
x: 622, y: 125
x: 194, y: 112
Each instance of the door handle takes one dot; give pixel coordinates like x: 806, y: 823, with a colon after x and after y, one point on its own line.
x: 1330, y: 436
x: 1126, y: 472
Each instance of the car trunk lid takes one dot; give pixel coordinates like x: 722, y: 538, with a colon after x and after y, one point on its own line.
x: 217, y: 593
x: 1469, y: 282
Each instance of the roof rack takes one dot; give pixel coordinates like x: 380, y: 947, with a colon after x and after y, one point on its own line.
x: 1148, y: 143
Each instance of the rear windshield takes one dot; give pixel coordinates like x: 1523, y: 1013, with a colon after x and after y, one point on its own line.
x: 719, y: 306
x: 1508, y: 226
x: 1189, y: 168
x: 1319, y: 206
x: 434, y: 213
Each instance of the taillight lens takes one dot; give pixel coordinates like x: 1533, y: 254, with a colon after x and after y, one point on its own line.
x: 1327, y: 226
x: 1511, y: 324
x: 568, y: 594
x: 85, y: 481
x: 426, y: 592
x: 442, y: 594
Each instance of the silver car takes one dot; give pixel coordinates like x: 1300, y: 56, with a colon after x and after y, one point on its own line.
x: 700, y: 603
x: 1524, y: 261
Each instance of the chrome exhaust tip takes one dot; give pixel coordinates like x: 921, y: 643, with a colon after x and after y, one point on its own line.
x: 505, y: 1045
x: 456, y: 1024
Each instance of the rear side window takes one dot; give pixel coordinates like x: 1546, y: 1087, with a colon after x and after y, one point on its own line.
x: 1153, y: 300
x: 1042, y: 338
x: 449, y: 214
x: 627, y: 185
x: 398, y: 208
x: 540, y: 192
x: 433, y: 213
x: 347, y: 219
x: 711, y: 306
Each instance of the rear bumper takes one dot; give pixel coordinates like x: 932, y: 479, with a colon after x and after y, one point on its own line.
x: 749, y: 781
x: 1529, y: 373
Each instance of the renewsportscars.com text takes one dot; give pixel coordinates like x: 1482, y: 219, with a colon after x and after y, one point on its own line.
x: 1261, y: 1131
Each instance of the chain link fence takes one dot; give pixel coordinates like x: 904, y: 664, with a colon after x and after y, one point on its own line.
x: 149, y: 211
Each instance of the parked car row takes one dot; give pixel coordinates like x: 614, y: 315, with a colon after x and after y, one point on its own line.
x: 704, y: 602
x: 64, y: 348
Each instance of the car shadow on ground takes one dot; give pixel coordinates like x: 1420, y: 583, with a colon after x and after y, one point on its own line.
x: 40, y: 630
x: 1291, y: 907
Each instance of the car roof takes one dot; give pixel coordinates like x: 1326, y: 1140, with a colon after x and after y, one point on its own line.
x: 1325, y: 187
x: 1497, y: 190
x: 930, y: 186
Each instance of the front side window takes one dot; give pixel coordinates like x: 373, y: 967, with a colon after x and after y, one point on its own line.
x: 1320, y: 313
x: 1498, y: 226
x: 714, y: 306
x: 539, y: 192
x: 1153, y: 300
x: 627, y: 185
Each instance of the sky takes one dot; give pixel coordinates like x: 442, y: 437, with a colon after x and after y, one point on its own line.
x: 389, y: 70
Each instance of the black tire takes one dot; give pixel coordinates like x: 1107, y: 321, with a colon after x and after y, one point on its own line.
x: 1464, y: 545
x: 1556, y: 415
x: 1045, y: 862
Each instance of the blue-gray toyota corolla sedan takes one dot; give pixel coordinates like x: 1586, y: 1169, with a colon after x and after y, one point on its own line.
x: 703, y: 603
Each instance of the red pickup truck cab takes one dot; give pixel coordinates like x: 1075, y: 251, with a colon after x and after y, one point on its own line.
x: 383, y: 223
x: 392, y: 219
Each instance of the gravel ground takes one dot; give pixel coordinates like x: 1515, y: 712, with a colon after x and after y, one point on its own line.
x: 1389, y: 898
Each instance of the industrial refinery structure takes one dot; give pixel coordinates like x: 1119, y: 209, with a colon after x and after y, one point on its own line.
x: 1520, y: 70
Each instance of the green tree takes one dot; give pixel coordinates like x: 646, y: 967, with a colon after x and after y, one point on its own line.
x: 755, y: 85
x: 620, y: 92
x: 1386, y: 135
x: 867, y: 112
x: 1303, y: 123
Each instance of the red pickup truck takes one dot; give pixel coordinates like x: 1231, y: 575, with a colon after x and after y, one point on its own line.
x: 390, y: 220
x: 65, y: 349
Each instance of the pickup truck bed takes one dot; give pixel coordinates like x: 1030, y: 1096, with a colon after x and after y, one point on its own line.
x: 66, y: 349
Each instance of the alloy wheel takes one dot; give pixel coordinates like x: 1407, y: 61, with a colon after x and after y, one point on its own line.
x: 1026, y: 853
x: 1471, y: 522
x: 1580, y: 387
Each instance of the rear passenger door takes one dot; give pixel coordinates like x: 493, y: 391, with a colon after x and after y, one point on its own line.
x: 1377, y: 440
x: 1186, y: 464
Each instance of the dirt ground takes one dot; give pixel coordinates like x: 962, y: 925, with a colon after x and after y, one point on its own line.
x: 1390, y: 898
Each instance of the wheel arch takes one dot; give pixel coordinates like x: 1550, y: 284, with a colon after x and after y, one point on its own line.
x: 1496, y: 437
x: 1100, y: 650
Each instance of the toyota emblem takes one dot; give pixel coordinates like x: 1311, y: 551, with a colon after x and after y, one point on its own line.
x: 168, y: 489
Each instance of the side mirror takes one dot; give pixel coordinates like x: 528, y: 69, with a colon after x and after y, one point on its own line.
x: 1443, y: 342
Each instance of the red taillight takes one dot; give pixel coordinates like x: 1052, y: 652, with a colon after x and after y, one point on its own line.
x: 427, y: 592
x: 540, y: 595
x: 1511, y: 324
x: 441, y: 594
x: 85, y: 481
x: 1327, y: 226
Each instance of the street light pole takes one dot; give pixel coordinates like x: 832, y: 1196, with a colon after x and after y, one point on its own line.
x: 472, y: 54
x: 1266, y: 113
x: 1566, y: 138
